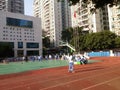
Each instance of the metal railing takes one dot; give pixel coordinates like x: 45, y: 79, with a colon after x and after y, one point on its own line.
x: 67, y: 44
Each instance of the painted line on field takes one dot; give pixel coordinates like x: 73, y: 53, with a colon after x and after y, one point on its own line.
x: 100, y: 83
x: 60, y: 78
x: 76, y: 80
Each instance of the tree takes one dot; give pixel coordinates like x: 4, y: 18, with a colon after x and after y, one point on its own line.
x: 75, y: 40
x: 117, y: 42
x: 67, y: 34
x: 97, y: 3
x: 46, y: 42
x: 100, y: 41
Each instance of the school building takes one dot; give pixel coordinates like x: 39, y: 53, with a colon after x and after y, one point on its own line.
x: 22, y: 32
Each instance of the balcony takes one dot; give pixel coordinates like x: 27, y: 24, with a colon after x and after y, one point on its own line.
x: 86, y: 29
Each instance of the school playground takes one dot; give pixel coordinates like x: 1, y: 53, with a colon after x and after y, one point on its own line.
x: 101, y: 73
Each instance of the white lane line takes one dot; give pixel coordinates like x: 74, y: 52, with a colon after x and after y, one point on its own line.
x: 101, y: 83
x: 77, y: 80
x: 62, y: 78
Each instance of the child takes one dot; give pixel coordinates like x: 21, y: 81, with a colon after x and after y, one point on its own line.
x: 71, y: 64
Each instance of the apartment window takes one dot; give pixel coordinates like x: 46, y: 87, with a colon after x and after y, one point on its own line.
x: 104, y: 18
x: 105, y: 28
x: 104, y: 23
x: 3, y: 27
x: 113, y: 19
x: 20, y: 11
x: 12, y: 10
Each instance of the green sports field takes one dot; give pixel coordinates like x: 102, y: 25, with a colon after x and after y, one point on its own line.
x: 15, y: 67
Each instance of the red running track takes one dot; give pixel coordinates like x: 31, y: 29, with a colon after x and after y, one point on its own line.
x: 96, y: 76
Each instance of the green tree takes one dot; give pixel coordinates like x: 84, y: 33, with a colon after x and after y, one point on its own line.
x: 98, y: 3
x: 117, y: 42
x: 46, y: 42
x: 67, y: 34
x: 108, y: 40
x: 91, y: 41
x: 75, y: 41
x: 72, y: 36
x: 99, y: 41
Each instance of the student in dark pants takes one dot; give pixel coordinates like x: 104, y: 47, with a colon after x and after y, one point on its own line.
x: 26, y: 59
x: 83, y: 60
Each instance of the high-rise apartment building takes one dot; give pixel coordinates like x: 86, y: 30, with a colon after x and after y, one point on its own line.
x: 114, y: 19
x: 15, y: 6
x: 91, y: 22
x: 55, y: 17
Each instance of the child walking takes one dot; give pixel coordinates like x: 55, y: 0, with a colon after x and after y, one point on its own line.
x: 71, y: 64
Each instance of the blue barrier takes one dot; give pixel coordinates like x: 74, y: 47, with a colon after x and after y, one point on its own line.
x: 101, y: 53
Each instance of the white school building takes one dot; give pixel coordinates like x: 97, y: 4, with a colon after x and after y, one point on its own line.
x: 23, y: 32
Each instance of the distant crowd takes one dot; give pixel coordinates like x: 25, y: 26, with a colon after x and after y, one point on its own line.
x: 76, y: 57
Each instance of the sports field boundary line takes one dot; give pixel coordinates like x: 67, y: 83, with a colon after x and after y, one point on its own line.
x: 64, y: 73
x: 71, y: 75
x: 74, y: 81
x: 101, y: 83
x: 60, y: 83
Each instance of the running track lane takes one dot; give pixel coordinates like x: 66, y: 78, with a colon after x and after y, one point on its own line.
x: 77, y: 81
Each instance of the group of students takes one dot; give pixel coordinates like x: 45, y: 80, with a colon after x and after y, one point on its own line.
x: 82, y: 59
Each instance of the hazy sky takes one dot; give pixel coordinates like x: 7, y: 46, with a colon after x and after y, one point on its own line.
x: 28, y: 7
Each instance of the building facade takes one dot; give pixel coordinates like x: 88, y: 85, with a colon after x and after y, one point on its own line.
x: 83, y: 16
x: 114, y: 19
x: 55, y: 17
x: 15, y: 6
x: 24, y: 32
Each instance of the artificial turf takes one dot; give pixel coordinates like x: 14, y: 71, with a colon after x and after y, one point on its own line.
x: 15, y: 67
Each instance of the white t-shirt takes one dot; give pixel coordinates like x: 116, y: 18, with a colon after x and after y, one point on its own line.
x: 70, y: 59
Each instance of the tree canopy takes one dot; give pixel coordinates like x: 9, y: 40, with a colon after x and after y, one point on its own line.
x: 97, y: 3
x: 91, y: 41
